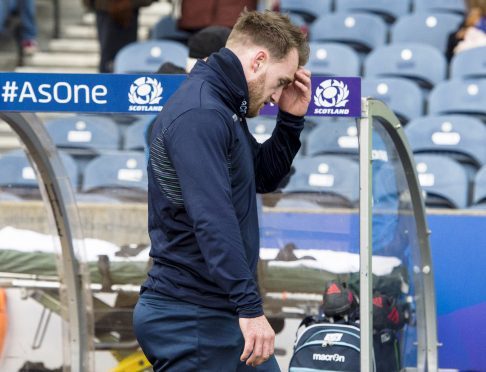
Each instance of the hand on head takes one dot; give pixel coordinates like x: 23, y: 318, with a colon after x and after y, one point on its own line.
x: 296, y: 96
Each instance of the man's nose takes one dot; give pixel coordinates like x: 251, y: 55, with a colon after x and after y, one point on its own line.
x: 276, y: 95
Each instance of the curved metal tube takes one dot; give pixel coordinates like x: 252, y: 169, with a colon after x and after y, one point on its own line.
x: 377, y: 109
x: 57, y: 193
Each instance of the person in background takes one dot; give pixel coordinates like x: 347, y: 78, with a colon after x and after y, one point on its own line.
x: 28, y: 23
x: 117, y: 26
x: 197, y: 14
x: 472, y: 32
x: 200, y: 308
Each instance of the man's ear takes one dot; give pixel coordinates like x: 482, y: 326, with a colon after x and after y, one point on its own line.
x: 259, y: 60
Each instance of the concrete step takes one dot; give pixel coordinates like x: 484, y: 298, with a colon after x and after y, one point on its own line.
x: 89, y: 32
x: 5, y: 129
x: 58, y: 69
x: 80, y: 32
x: 9, y: 143
x: 85, y: 60
x: 158, y: 8
x: 74, y: 45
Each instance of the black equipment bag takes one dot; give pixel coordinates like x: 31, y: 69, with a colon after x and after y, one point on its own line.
x: 326, y: 347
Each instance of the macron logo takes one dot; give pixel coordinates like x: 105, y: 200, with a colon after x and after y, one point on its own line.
x: 329, y: 357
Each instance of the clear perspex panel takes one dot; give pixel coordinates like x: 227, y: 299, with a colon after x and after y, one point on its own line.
x: 397, y: 292
x: 33, y: 299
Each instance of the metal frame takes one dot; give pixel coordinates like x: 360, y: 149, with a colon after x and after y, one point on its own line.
x: 427, y: 358
x: 365, y: 239
x: 57, y: 192
x: 58, y: 195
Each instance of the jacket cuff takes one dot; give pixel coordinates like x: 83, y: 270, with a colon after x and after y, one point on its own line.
x: 290, y: 120
x: 250, y: 313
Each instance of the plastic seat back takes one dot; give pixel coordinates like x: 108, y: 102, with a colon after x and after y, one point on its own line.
x: 469, y: 64
x: 459, y: 136
x: 422, y: 63
x: 148, y: 56
x: 403, y: 96
x: 389, y: 10
x: 363, y: 32
x: 450, y: 6
x: 459, y: 97
x: 333, y: 59
x: 443, y: 180
x: 427, y: 28
x: 166, y: 29
x: 308, y: 9
x: 327, y: 179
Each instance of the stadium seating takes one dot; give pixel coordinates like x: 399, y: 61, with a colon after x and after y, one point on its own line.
x: 469, y: 64
x: 444, y: 181
x: 94, y: 133
x: 166, y: 29
x: 18, y: 176
x: 418, y: 62
x: 459, y: 97
x: 135, y: 134
x: 121, y: 174
x: 451, y: 6
x: 461, y: 137
x: 261, y: 127
x: 333, y: 59
x: 333, y: 137
x: 479, y: 198
x: 431, y: 29
x: 150, y: 55
x: 308, y: 9
x: 363, y: 32
x: 389, y: 10
x: 326, y: 180
x: 403, y: 96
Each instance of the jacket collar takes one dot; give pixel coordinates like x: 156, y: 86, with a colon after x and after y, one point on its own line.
x: 224, y: 71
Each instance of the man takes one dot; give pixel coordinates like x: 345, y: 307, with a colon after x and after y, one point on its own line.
x: 116, y: 25
x: 200, y: 309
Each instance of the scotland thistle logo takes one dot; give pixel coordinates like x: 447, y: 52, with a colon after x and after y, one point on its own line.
x: 331, y: 93
x: 145, y: 91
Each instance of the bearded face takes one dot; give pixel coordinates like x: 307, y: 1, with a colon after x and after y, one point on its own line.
x: 256, y: 89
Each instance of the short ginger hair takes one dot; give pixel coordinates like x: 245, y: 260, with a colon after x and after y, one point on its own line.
x: 272, y: 30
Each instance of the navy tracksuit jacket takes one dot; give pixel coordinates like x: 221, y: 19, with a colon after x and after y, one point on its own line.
x: 204, y: 171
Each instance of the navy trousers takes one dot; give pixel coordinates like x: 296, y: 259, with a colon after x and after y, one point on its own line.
x: 177, y: 336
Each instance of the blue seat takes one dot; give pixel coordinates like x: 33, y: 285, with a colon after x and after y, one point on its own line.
x: 148, y: 56
x: 427, y: 28
x: 135, y: 135
x: 461, y: 137
x: 18, y: 176
x: 166, y: 29
x: 363, y: 32
x: 419, y: 62
x: 122, y: 175
x: 327, y: 180
x: 469, y: 64
x: 389, y: 10
x: 308, y: 9
x: 403, y: 96
x: 93, y: 133
x: 444, y: 181
x: 451, y: 6
x: 333, y: 137
x: 479, y: 197
x: 261, y: 127
x: 333, y: 59
x: 459, y: 97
